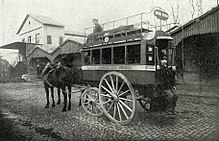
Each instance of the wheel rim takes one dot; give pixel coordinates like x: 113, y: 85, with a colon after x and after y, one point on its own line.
x: 117, y: 97
x: 90, y: 102
x: 145, y: 103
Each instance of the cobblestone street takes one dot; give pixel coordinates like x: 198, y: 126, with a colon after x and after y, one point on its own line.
x: 23, y: 104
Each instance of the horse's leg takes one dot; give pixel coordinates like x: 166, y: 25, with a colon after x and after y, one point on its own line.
x: 52, y: 95
x: 59, y: 98
x: 69, y: 97
x: 80, y: 97
x: 47, y: 94
x: 65, y: 98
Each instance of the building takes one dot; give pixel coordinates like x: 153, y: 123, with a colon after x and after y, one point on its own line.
x: 41, y: 30
x: 68, y: 53
x: 40, y: 38
x: 197, y: 47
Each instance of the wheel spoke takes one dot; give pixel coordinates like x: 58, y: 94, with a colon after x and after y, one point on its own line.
x: 86, y: 102
x: 88, y: 107
x: 108, y: 85
x: 126, y: 106
x: 124, y: 93
x: 121, y: 87
x: 106, y: 102
x: 91, y: 108
x: 106, y: 95
x: 114, y: 112
x: 110, y: 107
x: 86, y: 99
x: 106, y: 89
x: 145, y: 104
x: 120, y: 118
x: 95, y: 109
x: 125, y: 99
x: 98, y: 106
x: 123, y: 110
x: 111, y: 78
x: 117, y: 81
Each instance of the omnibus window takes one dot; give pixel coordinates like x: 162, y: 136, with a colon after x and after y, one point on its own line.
x: 87, y: 58
x: 106, y: 56
x: 119, y: 55
x: 133, y: 54
x: 95, y: 57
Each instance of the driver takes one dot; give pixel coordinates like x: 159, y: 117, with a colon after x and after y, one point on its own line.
x: 167, y: 85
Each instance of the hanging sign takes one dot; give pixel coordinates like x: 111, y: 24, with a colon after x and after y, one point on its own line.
x: 162, y: 15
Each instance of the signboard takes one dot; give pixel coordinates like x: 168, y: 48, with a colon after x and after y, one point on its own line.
x: 120, y: 67
x: 160, y: 14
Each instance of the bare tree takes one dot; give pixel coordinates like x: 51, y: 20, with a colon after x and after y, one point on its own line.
x: 199, y: 6
x: 193, y: 7
x: 175, y: 10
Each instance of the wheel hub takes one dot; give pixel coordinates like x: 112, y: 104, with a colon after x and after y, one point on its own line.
x: 115, y: 98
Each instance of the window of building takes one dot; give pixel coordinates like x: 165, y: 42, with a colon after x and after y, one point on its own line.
x: 87, y: 58
x: 49, y: 39
x: 29, y: 39
x: 133, y: 54
x: 119, y: 55
x: 95, y: 57
x: 106, y: 56
x: 37, y: 39
x: 60, y: 40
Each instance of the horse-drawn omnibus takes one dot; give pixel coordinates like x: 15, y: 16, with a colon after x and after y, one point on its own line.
x: 121, y: 64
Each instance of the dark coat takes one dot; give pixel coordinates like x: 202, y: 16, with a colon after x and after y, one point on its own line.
x: 97, y: 28
x: 166, y: 78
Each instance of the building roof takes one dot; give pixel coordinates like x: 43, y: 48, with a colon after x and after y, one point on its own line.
x: 195, y: 20
x: 37, y: 47
x: 42, y: 19
x: 66, y: 41
x: 16, y: 45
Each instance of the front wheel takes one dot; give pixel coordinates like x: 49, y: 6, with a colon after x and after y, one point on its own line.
x: 90, y: 101
x: 117, y: 98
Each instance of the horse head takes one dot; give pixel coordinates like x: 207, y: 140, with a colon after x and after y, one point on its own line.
x: 49, y: 66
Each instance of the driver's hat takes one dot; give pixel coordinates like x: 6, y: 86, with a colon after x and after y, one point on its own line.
x: 94, y: 19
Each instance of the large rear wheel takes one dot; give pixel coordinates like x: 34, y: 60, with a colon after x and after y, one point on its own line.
x: 117, y: 98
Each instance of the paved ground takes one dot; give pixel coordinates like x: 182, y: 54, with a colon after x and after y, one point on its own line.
x: 23, y: 117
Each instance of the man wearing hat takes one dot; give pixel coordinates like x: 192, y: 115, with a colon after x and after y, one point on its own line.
x: 167, y: 86
x: 97, y: 26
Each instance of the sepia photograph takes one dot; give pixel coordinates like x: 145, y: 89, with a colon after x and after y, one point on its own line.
x: 109, y: 70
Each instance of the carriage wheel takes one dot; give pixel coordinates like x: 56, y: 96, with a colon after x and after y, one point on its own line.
x: 90, y: 101
x: 145, y: 103
x: 117, y: 97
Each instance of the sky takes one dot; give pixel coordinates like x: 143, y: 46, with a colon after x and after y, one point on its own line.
x: 77, y: 15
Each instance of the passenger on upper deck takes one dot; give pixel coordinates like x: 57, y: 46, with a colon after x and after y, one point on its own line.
x: 97, y: 26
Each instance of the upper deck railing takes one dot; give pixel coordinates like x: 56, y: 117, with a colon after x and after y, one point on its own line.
x: 128, y: 27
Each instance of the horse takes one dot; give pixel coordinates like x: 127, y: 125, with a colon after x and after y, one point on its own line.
x: 59, y: 77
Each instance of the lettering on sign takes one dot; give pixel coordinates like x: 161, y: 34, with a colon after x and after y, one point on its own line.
x: 120, y: 67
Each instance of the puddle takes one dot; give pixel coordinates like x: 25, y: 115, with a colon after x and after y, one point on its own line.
x: 48, y: 132
x: 40, y: 130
